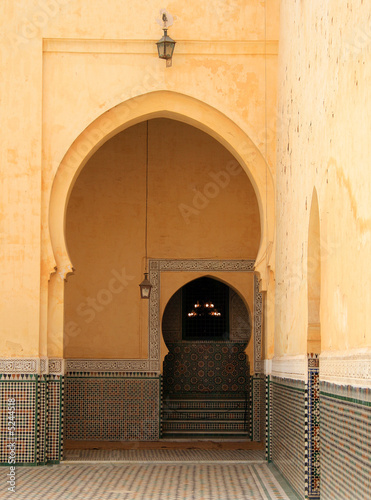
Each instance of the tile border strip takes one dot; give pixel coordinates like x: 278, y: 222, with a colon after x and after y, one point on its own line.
x: 312, y: 424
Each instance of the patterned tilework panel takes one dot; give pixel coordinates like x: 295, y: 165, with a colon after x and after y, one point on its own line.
x: 41, y: 419
x: 55, y: 418
x: 206, y: 367
x: 288, y: 430
x: 313, y: 430
x: 345, y: 442
x: 112, y: 408
x: 23, y: 389
x: 268, y: 417
x: 150, y: 482
x: 262, y: 408
x: 258, y: 408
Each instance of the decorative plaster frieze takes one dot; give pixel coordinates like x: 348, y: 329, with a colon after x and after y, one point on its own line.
x: 107, y: 365
x: 44, y: 366
x: 291, y: 367
x: 346, y: 368
x: 201, y: 265
x: 56, y: 366
x: 267, y: 366
x: 20, y: 365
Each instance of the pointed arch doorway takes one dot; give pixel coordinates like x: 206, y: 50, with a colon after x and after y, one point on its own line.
x: 146, y: 361
x: 159, y: 270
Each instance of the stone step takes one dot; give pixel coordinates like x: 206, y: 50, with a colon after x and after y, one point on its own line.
x: 203, y: 415
x: 192, y: 435
x: 211, y: 416
x: 204, y: 405
x: 202, y: 426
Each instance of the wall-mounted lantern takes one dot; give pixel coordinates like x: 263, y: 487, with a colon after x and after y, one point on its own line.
x: 165, y: 46
x: 145, y: 287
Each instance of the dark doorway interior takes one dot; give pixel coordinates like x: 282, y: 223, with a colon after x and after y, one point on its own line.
x: 206, y: 375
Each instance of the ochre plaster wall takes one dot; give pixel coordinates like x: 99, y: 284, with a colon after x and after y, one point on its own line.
x: 67, y: 62
x: 323, y: 141
x: 200, y: 205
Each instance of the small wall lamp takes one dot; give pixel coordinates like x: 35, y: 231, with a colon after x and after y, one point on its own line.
x: 165, y: 46
x: 145, y: 287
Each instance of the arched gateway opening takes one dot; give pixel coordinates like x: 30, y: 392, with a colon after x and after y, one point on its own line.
x: 201, y: 206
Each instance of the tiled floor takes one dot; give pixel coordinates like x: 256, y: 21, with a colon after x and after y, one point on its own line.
x: 166, y: 456
x: 164, y: 475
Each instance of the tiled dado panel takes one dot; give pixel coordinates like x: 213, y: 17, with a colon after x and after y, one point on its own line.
x: 55, y: 418
x: 23, y: 390
x: 288, y: 430
x: 113, y: 407
x: 312, y: 457
x: 258, y: 408
x: 38, y: 433
x: 345, y: 442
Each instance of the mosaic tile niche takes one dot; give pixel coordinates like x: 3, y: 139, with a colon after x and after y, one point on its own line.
x: 37, y: 412
x: 206, y: 367
x: 287, y: 440
x: 345, y: 442
x: 112, y: 406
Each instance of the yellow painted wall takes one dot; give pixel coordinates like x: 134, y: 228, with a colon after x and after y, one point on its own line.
x: 324, y: 142
x: 200, y: 205
x: 65, y: 63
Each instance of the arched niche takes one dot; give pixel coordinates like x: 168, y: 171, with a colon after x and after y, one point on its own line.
x: 107, y: 214
x: 206, y: 327
x: 162, y: 104
x: 225, y: 301
x: 314, y: 278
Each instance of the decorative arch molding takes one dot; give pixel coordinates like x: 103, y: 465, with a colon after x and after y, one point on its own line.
x: 152, y: 364
x: 176, y: 106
